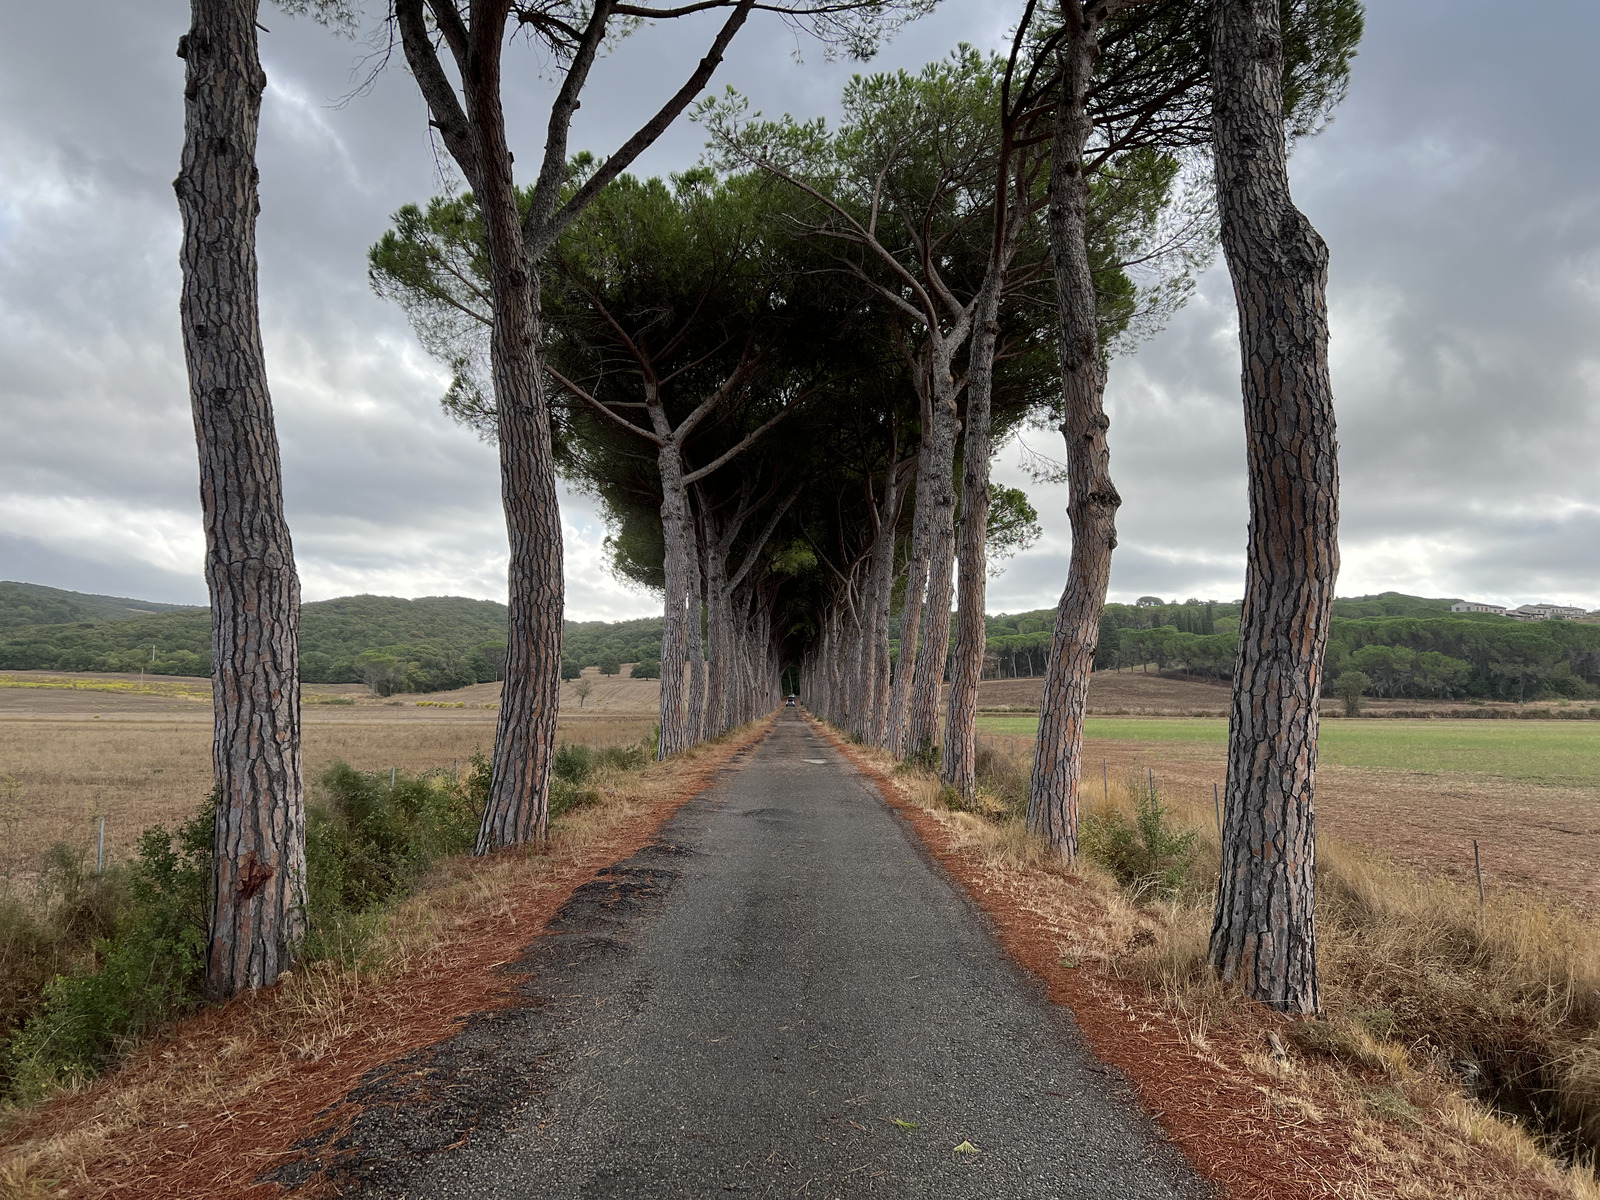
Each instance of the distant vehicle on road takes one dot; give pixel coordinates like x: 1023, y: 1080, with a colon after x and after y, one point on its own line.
x: 789, y: 703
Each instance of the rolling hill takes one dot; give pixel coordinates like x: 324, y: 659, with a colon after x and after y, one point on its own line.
x: 34, y: 604
x: 428, y: 644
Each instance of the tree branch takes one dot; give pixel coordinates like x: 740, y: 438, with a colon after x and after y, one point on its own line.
x: 742, y: 446
x: 443, y: 105
x: 600, y: 408
x: 619, y: 162
x: 553, y: 170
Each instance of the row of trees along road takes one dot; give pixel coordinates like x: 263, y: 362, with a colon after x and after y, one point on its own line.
x: 258, y: 894
x: 783, y: 375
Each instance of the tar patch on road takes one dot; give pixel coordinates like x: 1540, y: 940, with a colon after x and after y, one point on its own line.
x: 435, y: 1099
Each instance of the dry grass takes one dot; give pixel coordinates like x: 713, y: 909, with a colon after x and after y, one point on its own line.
x: 1429, y: 1007
x: 204, y: 1109
x: 59, y: 776
x: 1536, y: 838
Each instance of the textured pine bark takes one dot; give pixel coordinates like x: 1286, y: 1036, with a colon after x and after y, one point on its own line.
x: 928, y: 675
x: 910, y: 630
x: 674, y: 627
x: 960, y: 727
x: 861, y: 663
x: 518, y: 804
x: 876, y: 658
x: 258, y: 884
x: 698, y: 715
x: 720, y: 704
x: 1092, y: 498
x: 916, y: 586
x: 1264, y: 932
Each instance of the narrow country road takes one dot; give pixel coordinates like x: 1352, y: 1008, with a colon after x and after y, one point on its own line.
x: 782, y: 997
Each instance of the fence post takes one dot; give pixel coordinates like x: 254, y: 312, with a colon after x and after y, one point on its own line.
x: 100, y: 855
x: 392, y: 770
x: 1477, y: 867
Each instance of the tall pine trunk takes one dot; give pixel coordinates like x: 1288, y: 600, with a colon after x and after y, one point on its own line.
x: 1092, y: 500
x: 518, y: 806
x: 675, y: 532
x: 928, y: 675
x: 960, y: 727
x: 519, y: 791
x: 719, y: 704
x: 916, y: 587
x: 258, y: 880
x: 1264, y: 932
x: 699, y: 718
x: 876, y: 657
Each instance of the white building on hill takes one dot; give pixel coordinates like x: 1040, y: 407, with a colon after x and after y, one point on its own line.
x: 1474, y: 606
x: 1546, y: 612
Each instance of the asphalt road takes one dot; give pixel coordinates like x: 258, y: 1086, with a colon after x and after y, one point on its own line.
x: 784, y: 997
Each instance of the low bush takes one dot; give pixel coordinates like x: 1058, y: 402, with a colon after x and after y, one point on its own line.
x: 368, y: 840
x: 89, y: 962
x: 926, y: 759
x: 573, y: 764
x: 1145, y: 853
x: 92, y: 962
x: 54, y: 931
x: 577, y: 766
x: 147, y: 967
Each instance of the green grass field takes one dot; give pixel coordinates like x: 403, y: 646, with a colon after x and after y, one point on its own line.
x: 1565, y: 753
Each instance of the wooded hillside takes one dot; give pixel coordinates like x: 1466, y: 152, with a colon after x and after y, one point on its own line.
x: 428, y: 644
x: 1406, y: 646
x: 34, y: 604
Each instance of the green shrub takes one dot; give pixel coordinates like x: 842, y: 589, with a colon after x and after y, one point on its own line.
x: 54, y: 931
x: 576, y: 765
x: 149, y: 969
x: 97, y: 960
x: 367, y: 840
x: 1145, y: 854
x: 573, y: 763
x: 619, y: 758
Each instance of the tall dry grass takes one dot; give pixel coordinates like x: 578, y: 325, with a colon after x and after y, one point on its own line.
x: 59, y: 777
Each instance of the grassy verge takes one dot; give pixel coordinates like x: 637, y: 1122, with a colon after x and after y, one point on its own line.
x: 406, y: 933
x: 1459, y: 1050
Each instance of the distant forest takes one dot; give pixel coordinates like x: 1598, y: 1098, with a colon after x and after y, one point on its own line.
x: 390, y: 644
x: 31, y: 604
x: 1406, y: 646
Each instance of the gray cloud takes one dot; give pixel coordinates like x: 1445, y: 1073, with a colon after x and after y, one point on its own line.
x: 1457, y: 190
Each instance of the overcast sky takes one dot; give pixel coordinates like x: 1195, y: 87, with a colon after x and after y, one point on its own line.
x: 1458, y: 189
